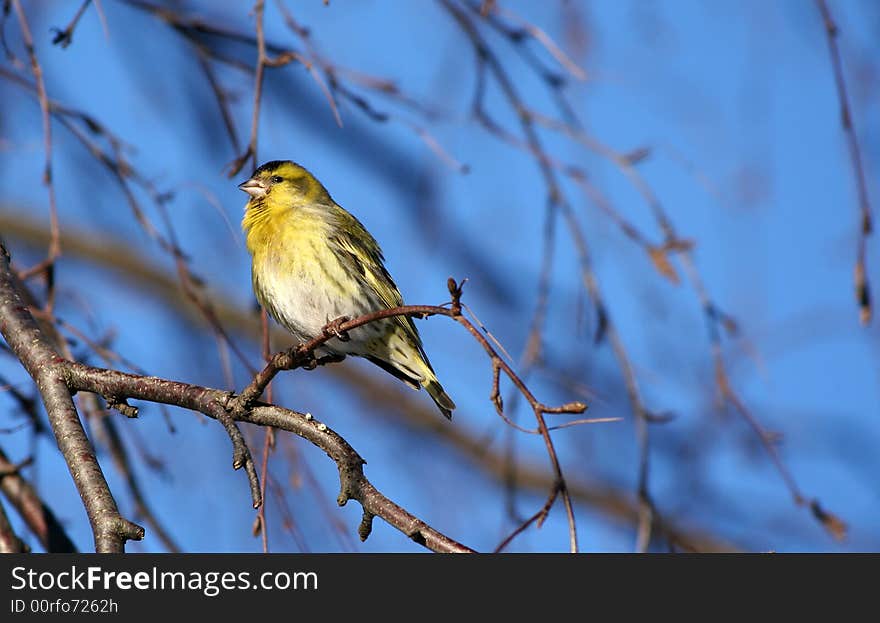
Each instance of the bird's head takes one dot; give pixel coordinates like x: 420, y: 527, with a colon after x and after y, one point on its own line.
x: 286, y: 183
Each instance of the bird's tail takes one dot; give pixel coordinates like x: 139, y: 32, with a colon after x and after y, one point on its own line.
x: 423, y: 376
x: 440, y: 397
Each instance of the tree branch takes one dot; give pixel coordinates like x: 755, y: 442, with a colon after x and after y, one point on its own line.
x: 38, y: 517
x: 42, y: 97
x: 863, y: 292
x: 48, y: 368
x: 57, y: 378
x: 9, y: 541
x: 401, y: 407
x: 354, y: 484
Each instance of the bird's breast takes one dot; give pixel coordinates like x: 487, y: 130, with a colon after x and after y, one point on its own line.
x: 300, y: 281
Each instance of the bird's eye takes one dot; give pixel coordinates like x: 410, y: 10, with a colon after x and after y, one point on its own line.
x: 277, y: 179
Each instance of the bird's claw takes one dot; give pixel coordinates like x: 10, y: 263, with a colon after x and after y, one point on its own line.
x: 328, y: 359
x: 333, y: 329
x: 312, y: 361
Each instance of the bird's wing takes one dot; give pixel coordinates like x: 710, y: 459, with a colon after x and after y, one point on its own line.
x: 355, y: 242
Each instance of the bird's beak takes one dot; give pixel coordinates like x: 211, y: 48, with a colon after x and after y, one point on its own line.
x: 254, y: 187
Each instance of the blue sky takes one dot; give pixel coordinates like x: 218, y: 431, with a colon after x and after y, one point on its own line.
x: 736, y: 102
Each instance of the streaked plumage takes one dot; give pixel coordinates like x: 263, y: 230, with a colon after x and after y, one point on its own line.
x: 314, y: 262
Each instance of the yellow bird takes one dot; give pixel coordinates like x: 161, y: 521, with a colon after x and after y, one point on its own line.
x: 314, y: 262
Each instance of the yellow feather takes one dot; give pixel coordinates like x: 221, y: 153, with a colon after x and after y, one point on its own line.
x: 313, y: 262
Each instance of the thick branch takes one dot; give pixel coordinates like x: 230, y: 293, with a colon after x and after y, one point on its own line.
x: 47, y: 368
x: 354, y: 484
x: 57, y: 377
x: 401, y: 407
x: 301, y: 355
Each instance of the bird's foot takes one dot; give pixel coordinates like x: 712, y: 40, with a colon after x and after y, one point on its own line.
x: 313, y: 361
x: 310, y: 363
x: 332, y: 358
x: 333, y: 329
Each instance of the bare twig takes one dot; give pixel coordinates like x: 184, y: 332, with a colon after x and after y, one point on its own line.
x: 262, y: 62
x: 303, y: 356
x: 57, y: 377
x: 268, y: 442
x: 716, y: 319
x: 402, y: 407
x: 65, y: 37
x: 34, y: 512
x: 863, y: 292
x: 27, y: 404
x: 526, y: 30
x: 240, y: 407
x: 124, y: 175
x: 55, y: 242
x: 487, y: 61
x: 220, y: 95
x: 538, y: 518
x: 10, y: 543
x: 268, y: 437
x: 659, y: 255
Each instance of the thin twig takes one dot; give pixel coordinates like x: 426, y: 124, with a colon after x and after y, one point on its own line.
x: 65, y: 37
x: 10, y: 543
x: 220, y: 95
x: 55, y: 242
x: 268, y: 438
x: 487, y: 61
x: 262, y: 58
x: 863, y: 291
x: 34, y: 512
x: 404, y: 409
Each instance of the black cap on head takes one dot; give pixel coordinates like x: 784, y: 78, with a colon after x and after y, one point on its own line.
x: 270, y: 166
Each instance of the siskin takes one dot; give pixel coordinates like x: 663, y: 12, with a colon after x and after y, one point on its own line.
x: 314, y: 262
